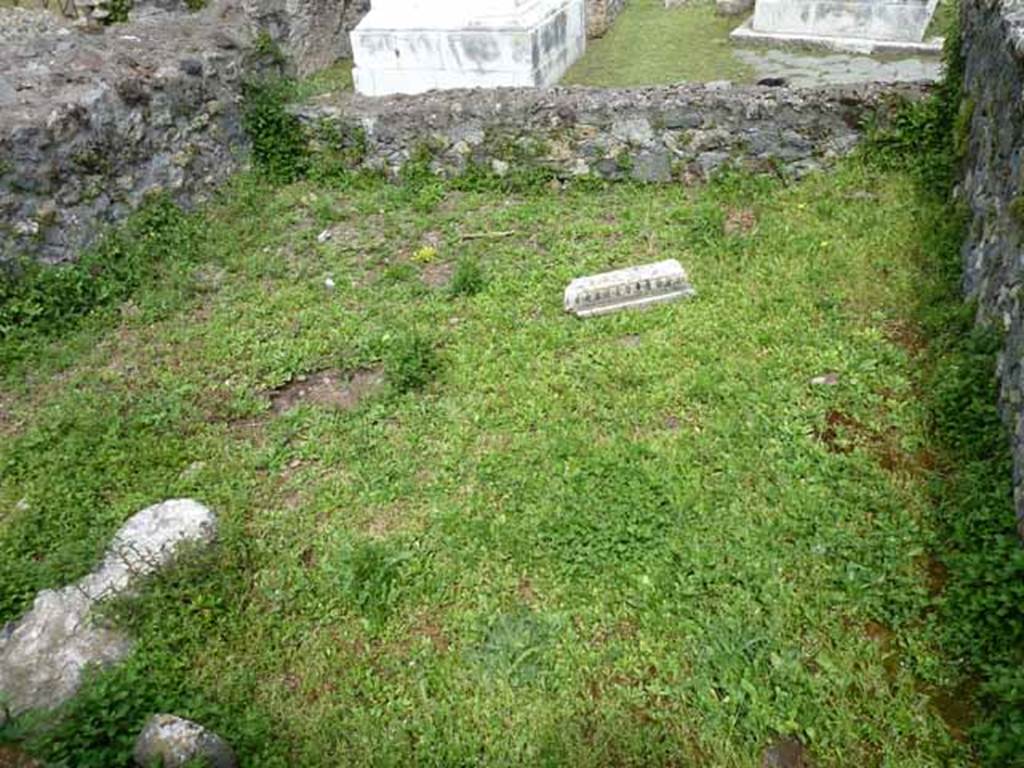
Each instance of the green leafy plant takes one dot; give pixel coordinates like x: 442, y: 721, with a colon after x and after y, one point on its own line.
x: 468, y: 278
x: 280, y: 148
x: 370, y: 576
x: 119, y: 11
x: 410, y: 361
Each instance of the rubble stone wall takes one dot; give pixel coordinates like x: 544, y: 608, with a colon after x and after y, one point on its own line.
x: 993, y: 187
x: 673, y: 133
x: 90, y: 124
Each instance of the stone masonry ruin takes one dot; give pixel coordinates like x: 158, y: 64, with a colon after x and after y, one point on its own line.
x: 673, y: 133
x: 91, y: 124
x: 993, y: 189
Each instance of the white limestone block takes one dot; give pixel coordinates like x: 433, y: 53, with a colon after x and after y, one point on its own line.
x: 881, y: 20
x: 404, y: 46
x: 629, y: 288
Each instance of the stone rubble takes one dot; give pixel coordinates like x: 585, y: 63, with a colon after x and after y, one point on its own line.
x: 173, y: 742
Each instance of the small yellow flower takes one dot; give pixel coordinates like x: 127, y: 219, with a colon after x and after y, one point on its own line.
x: 425, y: 255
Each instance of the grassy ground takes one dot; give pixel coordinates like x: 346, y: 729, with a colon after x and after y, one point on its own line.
x: 333, y: 79
x: 643, y: 539
x: 691, y: 42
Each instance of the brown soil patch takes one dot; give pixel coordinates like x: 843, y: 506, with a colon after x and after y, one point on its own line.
x: 437, y: 274
x: 433, y: 239
x: 431, y: 630
x: 884, y: 638
x: 905, y: 335
x: 525, y: 590
x: 308, y: 558
x: 956, y: 707
x: 739, y: 221
x: 452, y: 201
x: 786, y: 753
x: 842, y: 433
x: 386, y: 520
x: 7, y: 425
x: 838, y: 432
x: 333, y: 388
x: 12, y: 757
x: 936, y: 574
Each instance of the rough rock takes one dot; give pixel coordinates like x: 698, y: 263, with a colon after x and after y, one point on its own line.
x: 43, y: 655
x: 993, y: 188
x: 601, y: 15
x: 173, y: 742
x: 313, y: 34
x: 92, y: 124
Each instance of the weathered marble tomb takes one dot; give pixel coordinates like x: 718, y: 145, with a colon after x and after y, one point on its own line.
x: 412, y: 46
x: 896, y: 25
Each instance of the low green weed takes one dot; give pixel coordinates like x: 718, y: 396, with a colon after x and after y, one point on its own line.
x: 410, y: 361
x: 469, y: 278
x: 280, y: 148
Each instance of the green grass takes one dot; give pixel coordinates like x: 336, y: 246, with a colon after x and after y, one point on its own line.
x: 691, y: 42
x: 334, y: 79
x: 638, y: 540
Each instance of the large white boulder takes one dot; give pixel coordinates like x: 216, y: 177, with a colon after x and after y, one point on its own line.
x: 43, y: 656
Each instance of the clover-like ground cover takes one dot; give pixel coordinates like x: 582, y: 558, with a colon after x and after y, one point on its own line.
x: 460, y: 527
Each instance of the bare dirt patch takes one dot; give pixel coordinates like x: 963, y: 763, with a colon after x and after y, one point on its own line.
x: 786, y: 753
x: 385, y: 521
x: 437, y: 274
x: 905, y: 335
x: 430, y: 628
x: 838, y: 432
x: 739, y: 221
x: 12, y: 757
x: 955, y: 706
x: 525, y: 590
x: 7, y: 425
x: 332, y: 388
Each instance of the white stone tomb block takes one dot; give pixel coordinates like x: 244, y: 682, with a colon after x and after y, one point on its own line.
x: 864, y: 26
x: 412, y: 46
x: 883, y: 20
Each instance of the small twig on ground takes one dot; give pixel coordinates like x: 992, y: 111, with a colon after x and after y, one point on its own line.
x: 488, y: 235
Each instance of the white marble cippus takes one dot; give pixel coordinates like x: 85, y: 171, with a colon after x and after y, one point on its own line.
x: 860, y: 25
x: 412, y: 46
x: 630, y: 288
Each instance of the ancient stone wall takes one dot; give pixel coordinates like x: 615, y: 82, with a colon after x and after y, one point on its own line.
x: 601, y: 15
x: 663, y: 134
x: 313, y: 34
x: 993, y: 187
x: 90, y: 124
